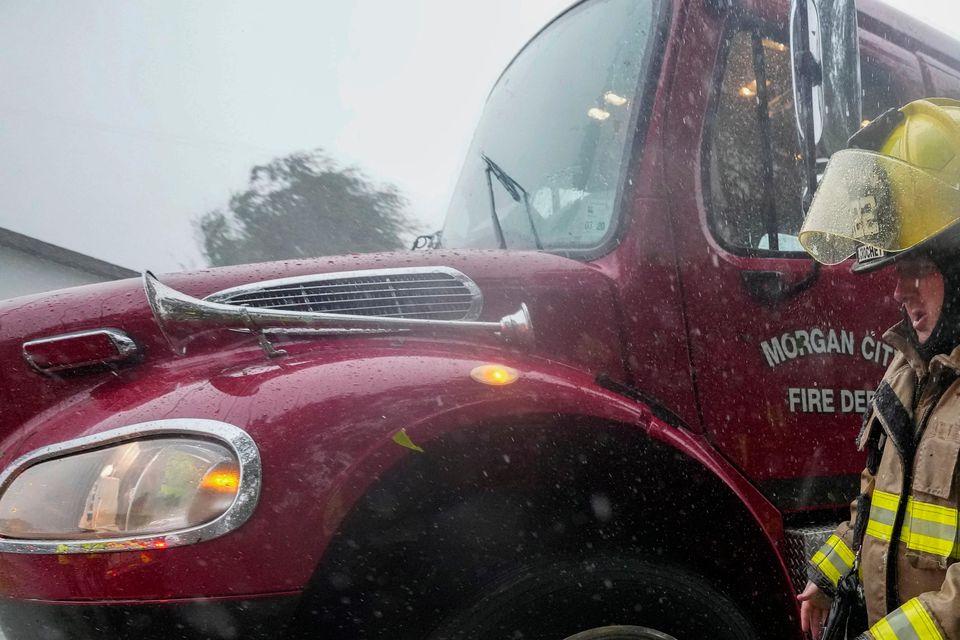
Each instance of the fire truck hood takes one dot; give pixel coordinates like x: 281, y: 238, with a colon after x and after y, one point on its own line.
x: 571, y: 304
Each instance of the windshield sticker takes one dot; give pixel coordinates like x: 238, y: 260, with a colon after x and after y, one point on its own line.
x: 865, y: 222
x: 816, y: 341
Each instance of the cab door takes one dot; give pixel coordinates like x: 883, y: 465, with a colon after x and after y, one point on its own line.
x: 784, y: 355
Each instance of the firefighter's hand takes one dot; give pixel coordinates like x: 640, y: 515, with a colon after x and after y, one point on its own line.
x: 814, y: 607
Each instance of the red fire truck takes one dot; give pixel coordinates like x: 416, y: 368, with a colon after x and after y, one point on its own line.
x: 611, y: 399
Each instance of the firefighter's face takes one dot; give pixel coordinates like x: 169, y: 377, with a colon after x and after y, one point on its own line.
x: 920, y: 291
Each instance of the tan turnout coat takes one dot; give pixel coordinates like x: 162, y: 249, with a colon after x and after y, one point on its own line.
x: 920, y: 440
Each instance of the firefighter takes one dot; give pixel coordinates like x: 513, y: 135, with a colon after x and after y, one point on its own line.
x: 893, y: 200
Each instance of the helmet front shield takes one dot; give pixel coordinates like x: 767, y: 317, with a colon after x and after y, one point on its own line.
x: 878, y: 202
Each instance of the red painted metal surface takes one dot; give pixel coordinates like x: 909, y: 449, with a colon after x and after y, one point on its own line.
x: 666, y: 312
x: 770, y: 416
x: 323, y: 418
x: 569, y: 297
x: 316, y: 414
x: 644, y: 265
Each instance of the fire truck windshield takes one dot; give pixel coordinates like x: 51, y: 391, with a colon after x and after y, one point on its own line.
x: 563, y: 116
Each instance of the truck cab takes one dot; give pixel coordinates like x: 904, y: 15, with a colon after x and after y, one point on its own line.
x: 614, y: 399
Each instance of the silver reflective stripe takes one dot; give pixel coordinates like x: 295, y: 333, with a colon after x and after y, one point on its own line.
x: 834, y: 559
x: 909, y: 622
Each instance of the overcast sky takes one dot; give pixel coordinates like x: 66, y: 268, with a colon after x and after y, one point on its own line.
x: 123, y: 120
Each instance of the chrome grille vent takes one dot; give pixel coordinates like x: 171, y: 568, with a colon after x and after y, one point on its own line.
x: 432, y: 293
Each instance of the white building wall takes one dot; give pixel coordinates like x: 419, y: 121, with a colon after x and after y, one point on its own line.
x: 23, y: 273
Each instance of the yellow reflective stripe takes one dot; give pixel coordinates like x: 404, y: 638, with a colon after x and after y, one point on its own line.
x: 884, y: 500
x: 929, y: 544
x: 842, y: 550
x: 927, y: 527
x: 826, y: 567
x: 833, y: 559
x: 883, y: 631
x: 883, y: 509
x: 922, y: 622
x: 932, y: 512
x: 932, y: 528
x: 879, y: 531
x: 909, y: 622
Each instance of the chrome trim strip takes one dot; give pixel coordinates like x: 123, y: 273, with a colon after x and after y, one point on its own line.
x: 239, y: 512
x: 181, y: 317
x: 432, y: 298
x: 334, y: 287
x: 476, y: 304
x: 407, y: 303
x: 125, y: 345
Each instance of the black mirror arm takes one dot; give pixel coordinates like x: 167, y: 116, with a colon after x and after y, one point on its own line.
x: 809, y: 68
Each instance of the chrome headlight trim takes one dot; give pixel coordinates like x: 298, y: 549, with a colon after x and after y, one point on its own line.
x: 235, y: 438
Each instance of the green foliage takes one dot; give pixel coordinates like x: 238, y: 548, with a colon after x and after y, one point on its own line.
x: 180, y: 474
x: 304, y: 205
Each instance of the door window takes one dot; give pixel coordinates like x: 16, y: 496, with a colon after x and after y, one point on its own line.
x: 754, y: 173
x: 753, y: 170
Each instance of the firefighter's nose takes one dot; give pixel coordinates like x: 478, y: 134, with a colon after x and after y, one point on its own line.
x: 906, y: 287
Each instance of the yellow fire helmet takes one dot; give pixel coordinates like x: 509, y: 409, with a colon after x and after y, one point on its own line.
x: 896, y: 188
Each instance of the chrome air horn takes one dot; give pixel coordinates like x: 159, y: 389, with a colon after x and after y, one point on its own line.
x: 181, y: 317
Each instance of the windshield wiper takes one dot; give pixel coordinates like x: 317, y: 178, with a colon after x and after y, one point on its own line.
x: 516, y: 191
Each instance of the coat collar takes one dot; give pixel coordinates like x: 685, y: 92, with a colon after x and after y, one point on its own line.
x: 893, y: 402
x: 898, y: 337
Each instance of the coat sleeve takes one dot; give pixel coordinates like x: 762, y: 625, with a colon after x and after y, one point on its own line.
x: 934, y: 615
x: 835, y: 557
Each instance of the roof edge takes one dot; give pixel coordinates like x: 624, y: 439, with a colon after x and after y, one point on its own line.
x: 63, y: 256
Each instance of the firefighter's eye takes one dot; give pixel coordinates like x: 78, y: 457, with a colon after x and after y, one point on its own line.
x: 135, y: 489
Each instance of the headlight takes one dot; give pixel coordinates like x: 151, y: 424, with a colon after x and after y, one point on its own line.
x: 156, y: 484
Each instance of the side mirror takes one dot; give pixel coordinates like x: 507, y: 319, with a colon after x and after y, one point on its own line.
x: 842, y: 93
x: 825, y: 61
x: 806, y: 57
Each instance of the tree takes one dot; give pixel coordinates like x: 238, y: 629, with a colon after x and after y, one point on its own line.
x: 300, y: 206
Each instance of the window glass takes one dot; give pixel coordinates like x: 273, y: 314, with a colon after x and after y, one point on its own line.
x: 557, y: 126
x: 744, y: 216
x: 880, y: 89
x: 749, y: 205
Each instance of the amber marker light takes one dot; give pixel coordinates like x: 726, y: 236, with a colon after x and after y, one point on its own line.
x: 222, y: 480
x: 495, y: 375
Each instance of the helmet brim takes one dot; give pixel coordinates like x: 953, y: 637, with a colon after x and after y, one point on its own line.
x: 945, y: 241
x: 867, y: 199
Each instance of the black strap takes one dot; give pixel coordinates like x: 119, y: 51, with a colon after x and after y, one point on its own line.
x: 860, y: 524
x: 848, y: 612
x: 874, y: 452
x: 896, y: 418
